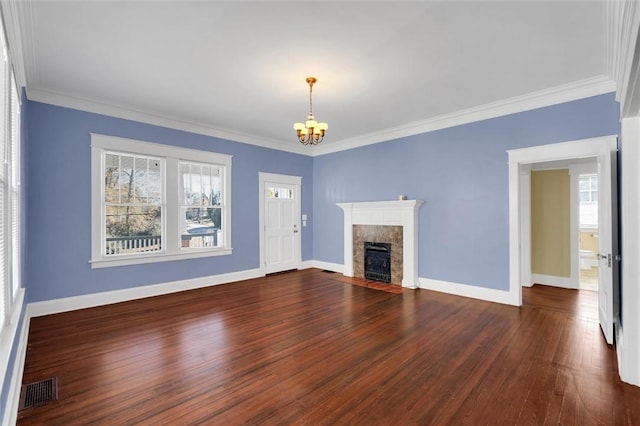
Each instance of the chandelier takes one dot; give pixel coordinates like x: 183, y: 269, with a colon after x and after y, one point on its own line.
x: 311, y: 132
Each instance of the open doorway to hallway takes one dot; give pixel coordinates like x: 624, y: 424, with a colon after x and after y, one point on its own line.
x: 521, y: 198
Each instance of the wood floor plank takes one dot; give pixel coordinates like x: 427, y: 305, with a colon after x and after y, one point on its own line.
x: 308, y: 347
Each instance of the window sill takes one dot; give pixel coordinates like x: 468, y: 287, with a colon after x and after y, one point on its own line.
x: 139, y: 260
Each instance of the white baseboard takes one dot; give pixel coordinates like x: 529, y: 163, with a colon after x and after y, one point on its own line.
x: 307, y: 264
x: 335, y: 267
x: 55, y: 306
x: 564, y: 282
x: 13, y: 397
x: 465, y: 290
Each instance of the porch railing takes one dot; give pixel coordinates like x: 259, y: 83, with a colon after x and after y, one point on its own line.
x: 136, y: 244
x: 152, y: 243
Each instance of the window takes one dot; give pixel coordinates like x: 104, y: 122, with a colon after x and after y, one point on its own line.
x: 200, y: 205
x: 277, y: 192
x: 153, y: 203
x: 10, y: 209
x: 133, y: 209
x: 589, y: 188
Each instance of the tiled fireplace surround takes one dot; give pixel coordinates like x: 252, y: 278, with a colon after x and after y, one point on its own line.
x: 394, y: 222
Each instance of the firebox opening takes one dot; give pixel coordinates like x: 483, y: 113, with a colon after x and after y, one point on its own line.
x: 377, y: 261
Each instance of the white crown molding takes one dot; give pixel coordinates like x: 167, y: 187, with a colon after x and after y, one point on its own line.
x: 622, y: 24
x: 611, y: 21
x: 556, y: 95
x: 18, y: 16
x: 552, y: 96
x: 126, y: 113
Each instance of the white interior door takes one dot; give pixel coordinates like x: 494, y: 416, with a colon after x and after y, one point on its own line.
x: 281, y: 223
x: 607, y: 252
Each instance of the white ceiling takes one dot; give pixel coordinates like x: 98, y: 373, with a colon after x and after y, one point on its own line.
x: 237, y: 69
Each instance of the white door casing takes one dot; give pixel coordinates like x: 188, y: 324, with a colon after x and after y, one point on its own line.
x: 280, y: 232
x: 520, y: 161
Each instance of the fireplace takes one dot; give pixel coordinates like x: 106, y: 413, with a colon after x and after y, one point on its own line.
x: 377, y: 261
x: 397, y: 220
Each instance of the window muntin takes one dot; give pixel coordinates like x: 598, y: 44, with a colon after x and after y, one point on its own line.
x: 126, y: 184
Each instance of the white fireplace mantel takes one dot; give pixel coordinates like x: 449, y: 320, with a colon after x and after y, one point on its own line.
x: 394, y: 213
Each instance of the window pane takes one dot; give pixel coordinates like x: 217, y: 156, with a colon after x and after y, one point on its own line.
x: 201, y: 227
x: 111, y: 175
x: 594, y: 182
x: 141, y: 174
x: 584, y: 196
x: 594, y: 196
x: 153, y: 181
x: 200, y: 184
x: 277, y: 192
x: 125, y: 181
x: 133, y: 229
x: 131, y: 179
x: 584, y: 183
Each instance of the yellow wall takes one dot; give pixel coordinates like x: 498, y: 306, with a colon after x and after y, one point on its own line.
x: 589, y: 241
x: 550, y: 223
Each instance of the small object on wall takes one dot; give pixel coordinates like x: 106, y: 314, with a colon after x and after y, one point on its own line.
x: 402, y: 197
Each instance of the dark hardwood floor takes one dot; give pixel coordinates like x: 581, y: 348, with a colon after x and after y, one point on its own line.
x: 306, y: 348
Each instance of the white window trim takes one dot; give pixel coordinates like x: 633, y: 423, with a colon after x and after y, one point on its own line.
x: 171, y: 155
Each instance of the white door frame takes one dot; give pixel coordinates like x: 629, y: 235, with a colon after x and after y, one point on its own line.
x: 520, y: 161
x: 288, y: 180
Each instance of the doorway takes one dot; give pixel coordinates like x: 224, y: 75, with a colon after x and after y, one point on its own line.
x: 520, y: 164
x: 280, y: 236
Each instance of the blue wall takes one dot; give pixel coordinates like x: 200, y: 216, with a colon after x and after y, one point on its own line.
x: 461, y: 173
x: 59, y: 214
